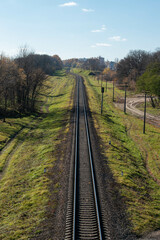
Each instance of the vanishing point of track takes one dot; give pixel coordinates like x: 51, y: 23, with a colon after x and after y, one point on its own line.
x: 83, y: 217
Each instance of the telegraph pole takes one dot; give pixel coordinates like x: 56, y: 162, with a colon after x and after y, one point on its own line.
x: 125, y: 98
x: 144, y: 124
x: 113, y: 90
x: 98, y: 79
x: 102, y: 91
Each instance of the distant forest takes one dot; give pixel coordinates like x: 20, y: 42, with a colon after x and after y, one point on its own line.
x: 93, y: 64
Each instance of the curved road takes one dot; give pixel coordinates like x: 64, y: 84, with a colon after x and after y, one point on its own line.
x: 131, y: 104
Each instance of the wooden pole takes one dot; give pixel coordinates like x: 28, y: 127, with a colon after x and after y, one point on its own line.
x: 144, y: 124
x: 125, y: 98
x: 102, y: 91
x: 113, y: 90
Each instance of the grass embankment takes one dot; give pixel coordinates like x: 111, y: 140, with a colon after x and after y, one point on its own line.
x: 10, y: 128
x: 154, y: 111
x: 133, y: 157
x: 24, y: 187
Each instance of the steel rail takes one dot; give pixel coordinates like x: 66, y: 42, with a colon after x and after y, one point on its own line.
x: 76, y: 156
x: 76, y: 163
x: 92, y: 171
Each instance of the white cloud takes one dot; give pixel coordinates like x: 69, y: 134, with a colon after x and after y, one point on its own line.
x: 96, y: 31
x: 102, y: 29
x: 87, y: 10
x: 69, y: 4
x: 101, y: 45
x: 118, y: 39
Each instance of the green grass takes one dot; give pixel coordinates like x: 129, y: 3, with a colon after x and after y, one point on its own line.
x: 6, y: 152
x: 133, y: 157
x: 154, y: 111
x: 24, y: 187
x: 10, y: 128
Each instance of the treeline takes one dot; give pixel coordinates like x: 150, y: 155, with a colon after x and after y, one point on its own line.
x: 21, y: 79
x: 71, y: 63
x: 93, y: 64
x: 141, y: 70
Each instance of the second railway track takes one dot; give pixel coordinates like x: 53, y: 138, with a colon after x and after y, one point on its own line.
x: 83, y: 217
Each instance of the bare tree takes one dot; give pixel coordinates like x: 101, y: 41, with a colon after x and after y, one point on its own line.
x: 9, y: 74
x: 133, y: 65
x: 22, y: 78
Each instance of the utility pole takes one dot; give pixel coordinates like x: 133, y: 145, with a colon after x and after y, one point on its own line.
x: 144, y: 124
x: 102, y: 91
x: 98, y: 79
x: 125, y: 98
x: 113, y: 90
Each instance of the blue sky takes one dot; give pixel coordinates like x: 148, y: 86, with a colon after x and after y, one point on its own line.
x: 80, y: 28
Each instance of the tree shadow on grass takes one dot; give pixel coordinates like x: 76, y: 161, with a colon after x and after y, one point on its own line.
x: 155, y: 132
x: 108, y: 118
x: 95, y: 85
x: 47, y: 123
x: 105, y: 116
x: 125, y: 150
x: 46, y: 86
x: 59, y: 74
x: 127, y: 155
x: 52, y: 96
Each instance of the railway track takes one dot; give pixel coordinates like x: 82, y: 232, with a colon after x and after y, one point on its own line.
x: 83, y: 216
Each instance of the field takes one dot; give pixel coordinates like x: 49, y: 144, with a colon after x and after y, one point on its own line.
x: 133, y: 157
x: 28, y: 146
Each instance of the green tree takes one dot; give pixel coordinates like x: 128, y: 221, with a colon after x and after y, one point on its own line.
x: 150, y: 81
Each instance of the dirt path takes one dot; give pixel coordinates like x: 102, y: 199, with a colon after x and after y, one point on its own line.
x: 16, y: 144
x: 131, y: 106
x: 8, y: 158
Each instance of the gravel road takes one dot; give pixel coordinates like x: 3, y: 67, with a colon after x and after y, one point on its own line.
x: 131, y: 106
